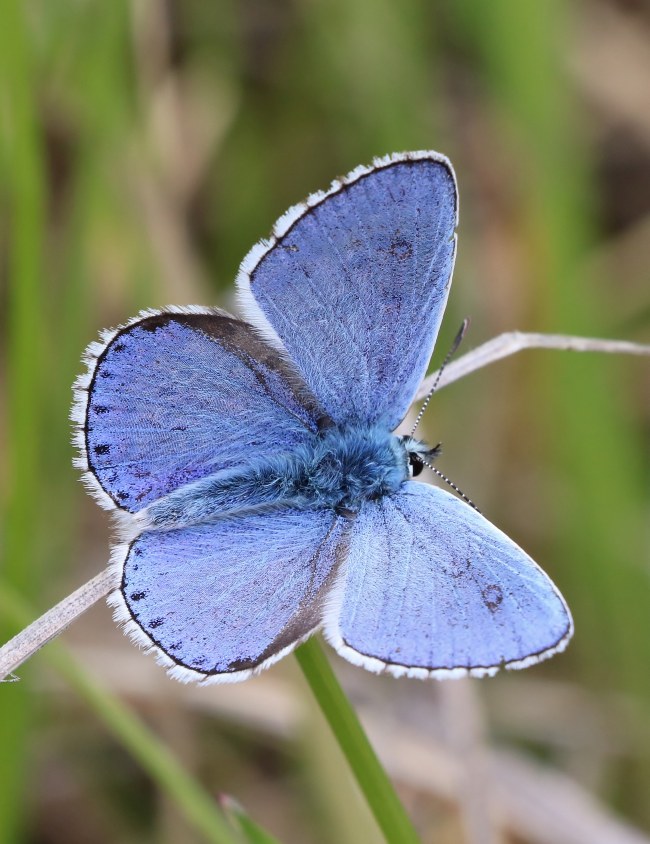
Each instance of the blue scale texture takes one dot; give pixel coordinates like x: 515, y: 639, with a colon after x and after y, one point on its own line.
x: 270, y: 492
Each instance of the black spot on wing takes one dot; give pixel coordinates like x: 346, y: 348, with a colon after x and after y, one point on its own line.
x: 401, y: 249
x: 492, y: 597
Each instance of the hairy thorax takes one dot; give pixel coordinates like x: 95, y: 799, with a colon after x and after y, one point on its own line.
x: 339, y: 469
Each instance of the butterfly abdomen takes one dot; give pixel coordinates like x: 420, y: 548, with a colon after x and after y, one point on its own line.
x: 340, y: 468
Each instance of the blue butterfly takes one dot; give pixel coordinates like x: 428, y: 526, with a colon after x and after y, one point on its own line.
x: 261, y: 492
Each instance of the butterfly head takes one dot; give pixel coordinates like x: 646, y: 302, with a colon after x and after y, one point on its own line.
x: 418, y: 454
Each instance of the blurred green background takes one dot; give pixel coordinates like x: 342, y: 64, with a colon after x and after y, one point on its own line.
x: 144, y: 147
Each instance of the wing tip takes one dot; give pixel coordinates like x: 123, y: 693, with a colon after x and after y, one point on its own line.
x: 533, y: 659
x: 284, y: 223
x: 251, y: 310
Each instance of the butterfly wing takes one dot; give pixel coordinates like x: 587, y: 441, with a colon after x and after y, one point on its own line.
x: 354, y: 283
x: 222, y: 601
x: 433, y: 589
x: 177, y: 395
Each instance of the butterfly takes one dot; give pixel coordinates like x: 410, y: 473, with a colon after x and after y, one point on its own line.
x: 260, y: 490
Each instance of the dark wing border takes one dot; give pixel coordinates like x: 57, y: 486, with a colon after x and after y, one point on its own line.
x: 249, y: 305
x: 303, y: 625
x: 333, y: 634
x: 241, y: 338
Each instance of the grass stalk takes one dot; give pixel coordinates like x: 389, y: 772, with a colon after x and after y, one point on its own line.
x: 371, y: 777
x: 198, y: 806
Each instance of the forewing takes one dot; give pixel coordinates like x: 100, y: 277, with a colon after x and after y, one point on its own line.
x: 431, y: 588
x: 177, y: 395
x: 354, y: 283
x: 220, y: 602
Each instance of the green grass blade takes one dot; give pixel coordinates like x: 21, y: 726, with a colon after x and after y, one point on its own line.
x: 348, y: 732
x: 23, y: 186
x: 251, y: 832
x: 199, y: 808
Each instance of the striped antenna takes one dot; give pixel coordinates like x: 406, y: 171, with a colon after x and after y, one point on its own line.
x: 451, y: 484
x: 454, y: 348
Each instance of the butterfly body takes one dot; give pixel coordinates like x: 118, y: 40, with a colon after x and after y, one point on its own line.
x: 261, y: 490
x: 337, y: 469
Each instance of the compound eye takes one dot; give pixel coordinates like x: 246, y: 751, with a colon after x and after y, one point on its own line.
x: 415, y: 465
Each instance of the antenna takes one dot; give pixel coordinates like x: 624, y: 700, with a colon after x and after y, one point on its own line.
x: 451, y: 484
x: 454, y: 348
